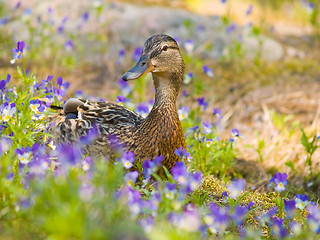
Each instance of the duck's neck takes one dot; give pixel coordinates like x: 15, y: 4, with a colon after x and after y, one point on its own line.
x: 167, y: 86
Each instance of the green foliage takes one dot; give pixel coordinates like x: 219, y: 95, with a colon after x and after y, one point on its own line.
x: 310, y: 147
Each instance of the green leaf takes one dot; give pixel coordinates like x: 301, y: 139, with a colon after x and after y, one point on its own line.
x: 20, y: 71
x: 304, y: 140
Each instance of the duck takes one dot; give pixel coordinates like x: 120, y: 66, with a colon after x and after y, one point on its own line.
x: 158, y: 134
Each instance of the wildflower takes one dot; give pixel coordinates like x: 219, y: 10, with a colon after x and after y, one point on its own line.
x: 143, y: 110
x: 59, y: 94
x: 134, y: 203
x: 62, y: 85
x: 217, y: 112
x: 187, y: 78
x: 225, y: 196
x: 170, y: 190
x: 23, y: 154
x: 179, y: 173
x: 85, y: 16
x: 236, y: 188
x: 3, y: 21
x: 208, y: 71
x: 136, y: 54
x: 289, y: 205
x: 207, y: 127
x: 181, y: 152
x: 249, y: 10
x: 69, y: 45
x: 121, y: 55
x: 301, y: 201
x: 146, y: 223
x: 314, y: 217
x: 38, y: 166
x: 8, y: 111
x: 188, y: 221
x: 183, y: 112
x: 202, y: 103
x: 86, y: 163
x: 192, y: 129
x: 218, y: 219
x: 295, y: 227
x: 250, y: 205
x: 194, y: 181
x: 277, y: 228
x: 150, y: 167
x: 189, y: 45
x: 127, y: 159
x: 232, y: 27
x: 3, y: 84
x: 121, y: 100
x: 131, y: 177
x: 17, y: 52
x: 223, y: 1
x: 34, y: 105
x: 280, y: 180
x: 62, y: 25
x: 238, y: 215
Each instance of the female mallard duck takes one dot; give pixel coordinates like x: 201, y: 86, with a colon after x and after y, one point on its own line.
x: 160, y: 133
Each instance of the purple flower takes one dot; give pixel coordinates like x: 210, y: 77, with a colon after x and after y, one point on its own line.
x: 183, y: 112
x: 194, y: 181
x: 121, y: 100
x: 136, y: 54
x: 134, y: 200
x: 208, y: 71
x: 232, y: 27
x: 142, y: 109
x: 189, y: 45
x: 131, y: 177
x: 290, y: 208
x: 217, y: 112
x: 314, y: 217
x: 249, y: 10
x: 85, y: 16
x: 218, y: 219
x: 3, y: 21
x: 250, y: 205
x: 181, y: 152
x: 277, y: 228
x: 192, y: 129
x: 3, y: 84
x: 17, y: 52
x: 170, y: 190
x: 280, y: 179
x: 179, y: 173
x: 146, y: 224
x: 121, y: 55
x: 150, y: 167
x: 8, y: 110
x: 301, y: 201
x: 207, y: 127
x: 127, y: 159
x: 202, y: 103
x: 23, y: 154
x: 223, y: 1
x: 187, y: 78
x: 239, y: 215
x: 236, y: 188
x: 69, y: 45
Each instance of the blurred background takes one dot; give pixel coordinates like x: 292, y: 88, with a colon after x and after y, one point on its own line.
x: 262, y: 60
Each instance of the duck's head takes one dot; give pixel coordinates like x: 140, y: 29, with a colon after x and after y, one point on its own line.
x: 160, y: 55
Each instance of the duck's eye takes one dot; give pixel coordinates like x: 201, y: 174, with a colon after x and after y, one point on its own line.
x: 165, y: 48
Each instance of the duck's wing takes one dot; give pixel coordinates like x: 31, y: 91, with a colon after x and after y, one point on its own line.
x: 109, y: 118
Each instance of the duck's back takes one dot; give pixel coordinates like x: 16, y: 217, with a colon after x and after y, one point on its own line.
x: 114, y: 123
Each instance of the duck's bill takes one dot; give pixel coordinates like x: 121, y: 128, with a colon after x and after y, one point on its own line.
x: 139, y: 70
